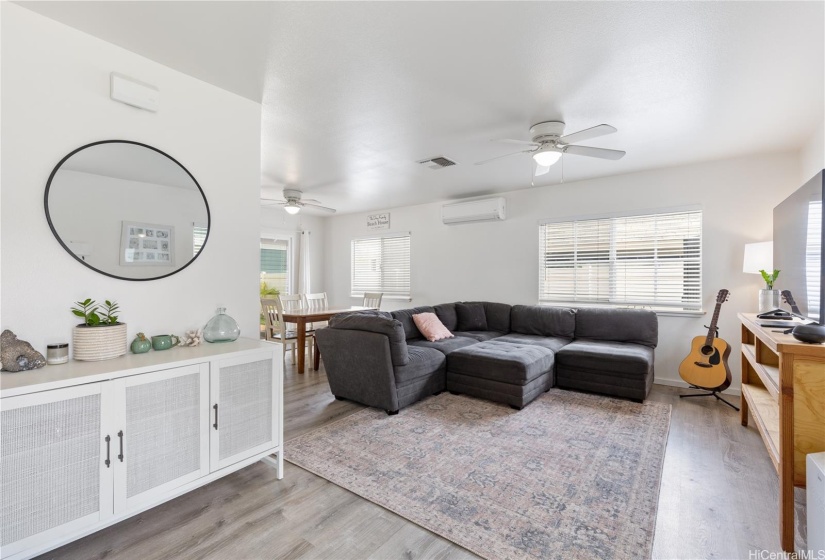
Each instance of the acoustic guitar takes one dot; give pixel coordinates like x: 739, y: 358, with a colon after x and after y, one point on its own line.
x: 706, y: 366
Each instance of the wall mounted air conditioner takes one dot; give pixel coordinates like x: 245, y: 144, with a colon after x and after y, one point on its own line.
x: 485, y: 210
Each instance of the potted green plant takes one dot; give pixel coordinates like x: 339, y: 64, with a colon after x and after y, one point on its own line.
x: 769, y: 298
x: 100, y: 336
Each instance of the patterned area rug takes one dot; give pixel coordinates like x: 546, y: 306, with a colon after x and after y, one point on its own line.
x: 572, y: 475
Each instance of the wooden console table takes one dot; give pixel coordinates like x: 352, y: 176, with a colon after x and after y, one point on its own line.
x: 783, y: 386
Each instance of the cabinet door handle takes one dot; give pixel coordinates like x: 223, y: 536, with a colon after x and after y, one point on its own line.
x: 120, y: 435
x: 108, y: 449
x: 215, y: 425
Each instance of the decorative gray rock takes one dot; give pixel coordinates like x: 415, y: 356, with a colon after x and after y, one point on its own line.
x: 18, y: 355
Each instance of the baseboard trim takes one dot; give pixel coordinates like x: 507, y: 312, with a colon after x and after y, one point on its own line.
x: 682, y: 384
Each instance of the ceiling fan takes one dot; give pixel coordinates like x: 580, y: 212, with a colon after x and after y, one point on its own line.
x: 549, y: 144
x: 293, y: 202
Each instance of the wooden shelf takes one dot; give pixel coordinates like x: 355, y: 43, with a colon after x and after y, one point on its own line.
x: 783, y: 389
x: 765, y: 413
x: 769, y: 375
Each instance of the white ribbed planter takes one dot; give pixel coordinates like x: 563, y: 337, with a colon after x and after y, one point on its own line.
x: 91, y: 344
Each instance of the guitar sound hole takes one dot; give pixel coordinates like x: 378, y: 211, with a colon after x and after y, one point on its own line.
x: 707, y: 350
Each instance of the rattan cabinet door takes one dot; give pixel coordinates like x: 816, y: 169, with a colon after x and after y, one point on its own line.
x: 54, y: 475
x: 162, y: 436
x: 245, y: 418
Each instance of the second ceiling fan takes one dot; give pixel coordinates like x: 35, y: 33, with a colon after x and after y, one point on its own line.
x: 549, y: 143
x: 294, y: 201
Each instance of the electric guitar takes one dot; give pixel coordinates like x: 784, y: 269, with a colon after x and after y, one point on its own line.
x: 706, y: 366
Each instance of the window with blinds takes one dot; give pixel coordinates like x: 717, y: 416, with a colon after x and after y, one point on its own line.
x: 652, y: 261
x: 381, y: 264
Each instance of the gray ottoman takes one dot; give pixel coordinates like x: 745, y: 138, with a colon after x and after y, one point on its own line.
x: 504, y: 372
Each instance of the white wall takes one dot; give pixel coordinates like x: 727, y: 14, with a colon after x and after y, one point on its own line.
x: 812, y: 156
x: 499, y: 261
x: 55, y: 98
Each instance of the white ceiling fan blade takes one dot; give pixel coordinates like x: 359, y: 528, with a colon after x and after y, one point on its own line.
x: 602, y: 153
x: 272, y: 201
x: 482, y: 162
x: 511, y: 141
x: 319, y: 207
x: 541, y: 170
x: 588, y: 133
x: 311, y: 200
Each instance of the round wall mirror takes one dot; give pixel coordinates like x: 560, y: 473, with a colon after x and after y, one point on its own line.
x: 127, y: 210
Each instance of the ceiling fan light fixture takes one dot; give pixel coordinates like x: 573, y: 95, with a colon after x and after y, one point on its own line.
x: 547, y: 156
x: 292, y: 208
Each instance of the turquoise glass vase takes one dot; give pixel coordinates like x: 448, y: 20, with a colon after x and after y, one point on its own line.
x: 221, y: 328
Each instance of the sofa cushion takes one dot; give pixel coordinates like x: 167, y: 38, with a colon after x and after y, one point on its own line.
x: 446, y: 314
x: 497, y: 315
x: 620, y: 325
x: 619, y: 358
x: 554, y: 343
x: 479, y: 336
x: 431, y: 327
x: 471, y: 317
x: 445, y: 346
x: 543, y: 321
x: 507, y: 362
x: 406, y: 318
x: 378, y: 322
x: 423, y: 361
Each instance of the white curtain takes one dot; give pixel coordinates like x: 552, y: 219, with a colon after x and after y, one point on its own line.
x: 303, y: 263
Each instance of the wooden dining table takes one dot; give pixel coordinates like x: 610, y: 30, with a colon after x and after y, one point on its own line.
x: 303, y: 316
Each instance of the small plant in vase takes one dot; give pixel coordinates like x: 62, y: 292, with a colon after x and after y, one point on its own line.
x: 101, y: 336
x: 769, y: 278
x: 769, y: 298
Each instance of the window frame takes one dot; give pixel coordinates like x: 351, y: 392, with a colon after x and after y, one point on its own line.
x: 687, y: 308
x: 272, y: 236
x: 359, y: 294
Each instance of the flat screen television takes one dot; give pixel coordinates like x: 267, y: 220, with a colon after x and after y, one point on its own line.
x: 798, y: 236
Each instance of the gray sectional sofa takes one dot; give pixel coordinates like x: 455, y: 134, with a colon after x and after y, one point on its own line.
x: 504, y: 353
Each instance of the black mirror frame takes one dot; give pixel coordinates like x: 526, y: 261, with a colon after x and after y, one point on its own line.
x: 84, y: 263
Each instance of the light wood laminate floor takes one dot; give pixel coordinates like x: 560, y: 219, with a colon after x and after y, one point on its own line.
x: 718, y: 500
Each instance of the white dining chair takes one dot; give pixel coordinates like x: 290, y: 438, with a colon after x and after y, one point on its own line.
x: 295, y: 302
x: 316, y: 302
x: 291, y: 302
x: 373, y: 299
x: 276, y: 329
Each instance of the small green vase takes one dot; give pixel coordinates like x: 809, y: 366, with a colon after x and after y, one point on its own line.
x: 141, y: 344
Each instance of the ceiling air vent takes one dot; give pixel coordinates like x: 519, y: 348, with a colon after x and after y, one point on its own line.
x: 439, y: 162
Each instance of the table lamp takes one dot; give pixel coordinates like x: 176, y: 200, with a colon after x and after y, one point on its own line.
x: 759, y: 257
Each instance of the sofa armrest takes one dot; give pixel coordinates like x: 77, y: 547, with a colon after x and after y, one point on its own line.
x: 359, y: 366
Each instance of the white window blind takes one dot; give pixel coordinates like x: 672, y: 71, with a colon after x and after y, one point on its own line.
x: 651, y: 261
x: 813, y: 252
x: 198, y: 238
x: 381, y: 264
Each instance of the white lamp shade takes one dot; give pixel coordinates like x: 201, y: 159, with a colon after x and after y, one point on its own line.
x: 758, y: 256
x: 547, y: 157
x: 292, y: 209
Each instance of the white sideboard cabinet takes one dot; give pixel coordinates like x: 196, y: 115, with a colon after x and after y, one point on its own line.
x: 88, y: 444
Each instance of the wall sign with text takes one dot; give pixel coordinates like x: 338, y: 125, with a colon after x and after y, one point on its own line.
x: 378, y: 221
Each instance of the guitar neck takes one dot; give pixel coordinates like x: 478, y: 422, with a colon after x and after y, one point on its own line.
x: 712, y: 329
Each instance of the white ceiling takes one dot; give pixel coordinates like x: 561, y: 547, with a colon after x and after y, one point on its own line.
x: 355, y: 93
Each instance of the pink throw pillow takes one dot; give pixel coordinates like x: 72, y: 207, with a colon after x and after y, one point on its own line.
x: 431, y: 327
